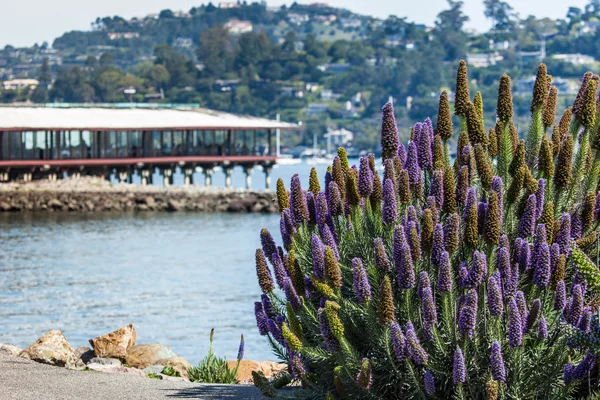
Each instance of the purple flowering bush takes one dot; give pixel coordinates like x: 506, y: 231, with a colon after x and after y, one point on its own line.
x: 444, y: 277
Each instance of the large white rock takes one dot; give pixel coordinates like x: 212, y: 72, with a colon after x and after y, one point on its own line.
x: 145, y: 355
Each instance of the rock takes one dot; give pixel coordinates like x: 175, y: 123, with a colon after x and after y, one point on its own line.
x: 105, y: 361
x: 4, y: 206
x: 80, y: 357
x: 55, y: 204
x: 150, y: 202
x: 8, y: 350
x: 174, y: 205
x: 114, y: 344
x: 52, y: 348
x: 115, y: 369
x: 244, y: 374
x: 145, y: 355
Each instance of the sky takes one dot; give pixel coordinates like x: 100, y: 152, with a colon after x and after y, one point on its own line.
x: 25, y: 22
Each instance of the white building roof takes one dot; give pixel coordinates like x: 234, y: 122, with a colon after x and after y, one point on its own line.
x: 104, y: 118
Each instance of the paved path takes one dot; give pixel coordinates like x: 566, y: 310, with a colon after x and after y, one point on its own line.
x: 22, y: 379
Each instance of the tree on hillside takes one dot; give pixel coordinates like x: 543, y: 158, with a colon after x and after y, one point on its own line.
x: 71, y: 86
x: 449, y: 30
x: 216, y: 51
x: 180, y: 68
x: 501, y: 14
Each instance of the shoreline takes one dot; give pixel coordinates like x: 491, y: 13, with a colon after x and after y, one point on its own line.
x: 91, y: 194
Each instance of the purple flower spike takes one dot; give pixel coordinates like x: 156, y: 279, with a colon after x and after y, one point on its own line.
x: 463, y: 274
x: 280, y: 272
x: 510, y: 287
x: 477, y: 271
x: 533, y: 315
x: 297, y: 365
x: 541, y: 275
x: 467, y: 319
x: 497, y: 362
x: 585, y: 322
x: 495, y: 302
x: 437, y: 188
x: 527, y: 223
x: 524, y: 257
x: 554, y: 256
x: 412, y: 164
x: 261, y: 318
x: 429, y: 382
x: 576, y: 226
x: 290, y: 294
x: 540, y: 238
x: 365, y: 178
x: 437, y: 248
x: 459, y: 372
x: 581, y: 370
x: 542, y: 328
x: 398, y: 341
x: 444, y: 283
x: 389, y: 132
x: 401, y: 154
x: 322, y: 210
x: 563, y: 238
x: 503, y: 263
x: 424, y: 148
x: 560, y: 298
x: 329, y: 340
x: 427, y: 303
x: 470, y: 202
x: 539, y: 198
x: 334, y: 199
x: 362, y: 288
x: 504, y: 242
x: 268, y: 306
x: 275, y: 331
x: 329, y: 240
x: 318, y: 254
x: 576, y: 309
x: 389, y: 210
x: 298, y: 202
x: 381, y: 259
x: 522, y: 304
x: 515, y: 326
x: 415, y: 351
x: 597, y: 208
x: 403, y: 260
x: 498, y: 187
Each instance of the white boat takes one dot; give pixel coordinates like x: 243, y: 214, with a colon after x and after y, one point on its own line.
x: 318, y: 160
x: 282, y: 160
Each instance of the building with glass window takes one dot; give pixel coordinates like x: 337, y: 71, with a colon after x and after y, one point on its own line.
x: 49, y: 142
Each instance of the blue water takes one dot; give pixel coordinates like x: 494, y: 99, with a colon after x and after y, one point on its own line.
x: 173, y: 275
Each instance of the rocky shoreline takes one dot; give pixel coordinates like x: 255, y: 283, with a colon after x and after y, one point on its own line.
x: 89, y: 194
x: 118, y: 353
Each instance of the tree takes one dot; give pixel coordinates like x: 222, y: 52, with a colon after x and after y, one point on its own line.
x: 159, y: 76
x: 106, y: 59
x: 215, y: 51
x: 501, y: 14
x: 71, y: 86
x: 449, y: 30
x: 45, y: 74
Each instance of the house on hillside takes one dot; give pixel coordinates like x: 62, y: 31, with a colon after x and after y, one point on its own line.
x: 237, y: 27
x: 317, y: 108
x: 122, y: 35
x: 483, y: 60
x: 335, y: 68
x: 184, y: 42
x: 575, y: 58
x: 229, y: 4
x: 297, y: 19
x: 18, y: 84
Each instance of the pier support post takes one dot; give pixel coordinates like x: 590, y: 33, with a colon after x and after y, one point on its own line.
x: 248, y: 172
x: 267, y: 169
x: 52, y: 177
x: 167, y: 177
x: 208, y: 173
x: 124, y: 177
x: 227, y: 172
x: 189, y: 176
x: 145, y: 175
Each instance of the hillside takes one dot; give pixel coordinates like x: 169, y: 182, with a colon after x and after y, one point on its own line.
x: 325, y: 66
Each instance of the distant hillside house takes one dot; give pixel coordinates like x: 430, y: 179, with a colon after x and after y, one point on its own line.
x: 575, y: 58
x: 229, y: 4
x: 325, y: 19
x: 317, y: 108
x: 123, y: 35
x: 335, y: 68
x: 18, y: 84
x: 297, y: 19
x: 183, y: 42
x: 351, y: 22
x: 340, y: 137
x: 483, y: 60
x: 237, y: 27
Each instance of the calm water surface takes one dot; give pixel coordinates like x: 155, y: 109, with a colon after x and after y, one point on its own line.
x: 174, y: 276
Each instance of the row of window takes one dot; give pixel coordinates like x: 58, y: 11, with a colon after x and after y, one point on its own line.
x: 52, y: 145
